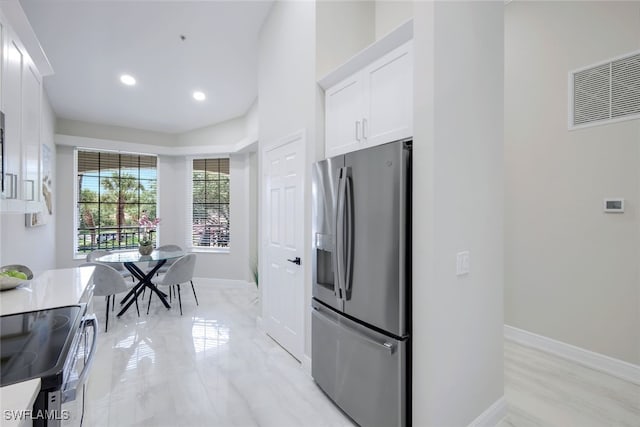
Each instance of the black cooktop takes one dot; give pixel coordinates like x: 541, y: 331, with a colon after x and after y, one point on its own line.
x: 35, y: 344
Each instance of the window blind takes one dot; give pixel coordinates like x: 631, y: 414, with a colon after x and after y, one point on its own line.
x: 210, y: 213
x: 113, y: 190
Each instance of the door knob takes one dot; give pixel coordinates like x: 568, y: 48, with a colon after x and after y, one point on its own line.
x: 296, y: 260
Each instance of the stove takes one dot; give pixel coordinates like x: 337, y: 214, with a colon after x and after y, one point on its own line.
x: 34, y: 343
x: 51, y: 345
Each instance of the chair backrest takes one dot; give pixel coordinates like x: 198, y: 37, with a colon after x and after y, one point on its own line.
x: 180, y: 271
x: 93, y: 255
x: 169, y: 247
x: 106, y: 279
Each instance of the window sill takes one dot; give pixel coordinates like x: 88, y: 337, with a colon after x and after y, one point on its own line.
x: 210, y: 250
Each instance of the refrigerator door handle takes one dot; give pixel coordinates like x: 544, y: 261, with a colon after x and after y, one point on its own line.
x: 348, y: 281
x: 339, y: 233
x: 387, y: 346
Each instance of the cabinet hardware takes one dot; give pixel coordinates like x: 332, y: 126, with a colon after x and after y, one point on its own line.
x: 12, y: 185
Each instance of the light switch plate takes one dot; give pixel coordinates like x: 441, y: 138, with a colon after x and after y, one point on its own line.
x: 462, y: 263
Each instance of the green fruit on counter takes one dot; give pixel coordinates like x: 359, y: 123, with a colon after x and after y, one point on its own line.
x: 14, y: 273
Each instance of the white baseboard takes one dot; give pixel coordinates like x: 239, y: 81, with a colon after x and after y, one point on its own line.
x: 600, y: 362
x: 492, y: 415
x: 306, y: 364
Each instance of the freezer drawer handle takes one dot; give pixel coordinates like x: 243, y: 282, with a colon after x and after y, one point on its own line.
x: 386, y: 345
x: 296, y: 260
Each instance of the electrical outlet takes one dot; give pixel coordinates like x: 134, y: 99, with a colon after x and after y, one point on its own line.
x: 462, y: 263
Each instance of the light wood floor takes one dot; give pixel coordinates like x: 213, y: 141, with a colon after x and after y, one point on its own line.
x: 544, y: 390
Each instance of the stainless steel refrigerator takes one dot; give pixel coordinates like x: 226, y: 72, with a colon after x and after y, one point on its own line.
x: 361, y: 317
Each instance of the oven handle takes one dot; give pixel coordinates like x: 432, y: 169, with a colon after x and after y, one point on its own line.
x: 70, y: 394
x: 92, y: 321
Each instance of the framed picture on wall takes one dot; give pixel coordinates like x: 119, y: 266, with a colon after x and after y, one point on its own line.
x: 47, y: 178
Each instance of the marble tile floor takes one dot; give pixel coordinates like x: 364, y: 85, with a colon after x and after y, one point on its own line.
x: 214, y: 367
x: 209, y: 367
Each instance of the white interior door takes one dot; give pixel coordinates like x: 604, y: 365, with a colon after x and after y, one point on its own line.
x: 283, y: 221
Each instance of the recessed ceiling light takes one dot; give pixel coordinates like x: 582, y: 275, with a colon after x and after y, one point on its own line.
x: 127, y: 80
x: 199, y: 96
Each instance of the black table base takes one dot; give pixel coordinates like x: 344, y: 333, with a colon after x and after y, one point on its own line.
x: 144, y: 279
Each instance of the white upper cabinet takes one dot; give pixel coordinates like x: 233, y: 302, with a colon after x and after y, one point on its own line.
x: 372, y: 106
x: 12, y: 108
x: 31, y: 110
x: 344, y: 104
x: 388, y: 114
x: 21, y: 103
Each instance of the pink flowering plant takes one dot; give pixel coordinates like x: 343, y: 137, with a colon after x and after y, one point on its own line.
x: 147, y: 226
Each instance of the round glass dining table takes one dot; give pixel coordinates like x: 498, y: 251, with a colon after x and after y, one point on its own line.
x: 129, y: 259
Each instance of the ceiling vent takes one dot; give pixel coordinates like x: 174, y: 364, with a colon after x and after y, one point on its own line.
x: 605, y: 93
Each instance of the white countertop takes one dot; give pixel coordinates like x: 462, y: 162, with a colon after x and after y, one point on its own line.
x: 53, y: 288
x: 15, y: 399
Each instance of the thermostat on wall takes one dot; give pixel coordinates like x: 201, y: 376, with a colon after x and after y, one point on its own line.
x: 614, y: 205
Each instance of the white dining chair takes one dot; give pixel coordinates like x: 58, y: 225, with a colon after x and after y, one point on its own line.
x: 181, y: 271
x: 94, y: 255
x: 168, y: 262
x: 108, y: 282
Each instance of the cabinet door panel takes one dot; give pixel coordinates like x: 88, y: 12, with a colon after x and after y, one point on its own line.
x: 31, y: 134
x: 2, y: 57
x: 12, y: 101
x: 343, y: 113
x: 389, y: 98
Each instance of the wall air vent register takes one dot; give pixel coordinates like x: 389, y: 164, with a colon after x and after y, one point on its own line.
x: 605, y: 93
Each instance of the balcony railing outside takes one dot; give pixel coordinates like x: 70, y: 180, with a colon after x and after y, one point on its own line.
x: 110, y: 238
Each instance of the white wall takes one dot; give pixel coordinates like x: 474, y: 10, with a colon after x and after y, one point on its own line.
x: 117, y: 133
x: 572, y: 271
x: 65, y: 227
x: 287, y: 99
x: 343, y: 28
x: 390, y: 14
x: 253, y: 211
x: 33, y: 247
x: 223, y: 133
x: 458, y: 205
x: 173, y: 201
x: 252, y: 120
